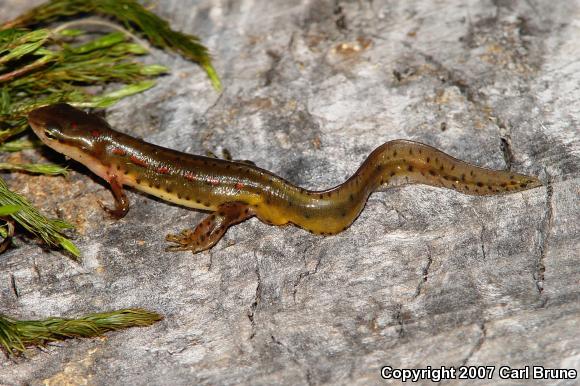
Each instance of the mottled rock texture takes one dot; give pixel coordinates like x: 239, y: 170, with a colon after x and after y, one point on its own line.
x: 425, y: 276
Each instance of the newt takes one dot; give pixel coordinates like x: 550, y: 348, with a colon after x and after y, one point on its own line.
x: 234, y: 191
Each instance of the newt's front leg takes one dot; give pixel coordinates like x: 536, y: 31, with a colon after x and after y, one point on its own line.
x: 211, y: 229
x: 121, y: 200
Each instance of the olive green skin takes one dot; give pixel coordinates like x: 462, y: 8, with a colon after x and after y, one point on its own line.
x: 208, y: 183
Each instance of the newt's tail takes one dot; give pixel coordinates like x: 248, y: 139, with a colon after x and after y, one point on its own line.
x: 395, y: 163
x: 413, y: 162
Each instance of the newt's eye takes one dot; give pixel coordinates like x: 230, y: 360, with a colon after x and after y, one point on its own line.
x: 51, y: 133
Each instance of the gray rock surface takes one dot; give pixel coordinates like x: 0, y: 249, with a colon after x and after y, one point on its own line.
x: 424, y: 277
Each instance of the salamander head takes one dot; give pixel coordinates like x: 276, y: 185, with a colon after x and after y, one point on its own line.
x: 68, y: 130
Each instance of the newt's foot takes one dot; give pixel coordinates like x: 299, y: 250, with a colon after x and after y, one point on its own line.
x: 117, y: 213
x: 211, y: 229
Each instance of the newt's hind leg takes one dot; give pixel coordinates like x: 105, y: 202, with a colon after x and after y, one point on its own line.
x: 228, y: 157
x: 211, y: 229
